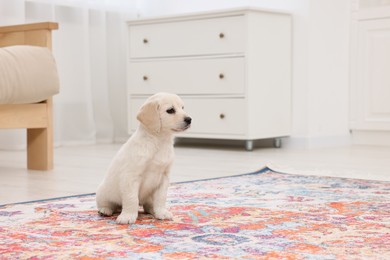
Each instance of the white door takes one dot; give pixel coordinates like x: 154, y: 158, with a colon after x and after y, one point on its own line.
x: 371, y: 79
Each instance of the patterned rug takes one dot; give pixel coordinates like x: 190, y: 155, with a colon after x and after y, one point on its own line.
x: 255, y: 216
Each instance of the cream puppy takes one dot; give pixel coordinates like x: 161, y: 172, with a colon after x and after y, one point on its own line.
x: 139, y: 173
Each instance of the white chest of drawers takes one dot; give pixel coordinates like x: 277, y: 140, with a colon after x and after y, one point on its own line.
x: 232, y: 69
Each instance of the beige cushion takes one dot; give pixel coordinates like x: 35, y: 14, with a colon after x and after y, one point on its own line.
x: 28, y: 74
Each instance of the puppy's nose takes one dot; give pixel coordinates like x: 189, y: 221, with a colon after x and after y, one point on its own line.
x: 188, y: 120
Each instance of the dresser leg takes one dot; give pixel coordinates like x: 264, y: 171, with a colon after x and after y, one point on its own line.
x: 249, y: 145
x: 277, y: 142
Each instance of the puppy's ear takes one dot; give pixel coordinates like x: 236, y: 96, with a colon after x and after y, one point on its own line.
x: 149, y: 116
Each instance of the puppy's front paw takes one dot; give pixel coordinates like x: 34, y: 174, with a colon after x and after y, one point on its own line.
x: 127, y: 218
x: 163, y: 214
x: 105, y: 212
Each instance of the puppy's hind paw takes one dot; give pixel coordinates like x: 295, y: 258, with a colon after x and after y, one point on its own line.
x: 163, y: 214
x: 105, y: 212
x: 126, y: 218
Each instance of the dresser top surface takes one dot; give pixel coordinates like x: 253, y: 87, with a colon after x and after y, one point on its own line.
x: 205, y: 15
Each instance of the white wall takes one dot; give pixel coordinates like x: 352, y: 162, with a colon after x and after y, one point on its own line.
x: 320, y: 61
x: 328, y: 71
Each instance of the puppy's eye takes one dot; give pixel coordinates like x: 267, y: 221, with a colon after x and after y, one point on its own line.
x: 171, y: 111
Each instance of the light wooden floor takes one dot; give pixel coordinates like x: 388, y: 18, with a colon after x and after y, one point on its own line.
x: 80, y: 169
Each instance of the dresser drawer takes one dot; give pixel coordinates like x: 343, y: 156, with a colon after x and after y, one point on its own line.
x: 209, y: 115
x: 192, y: 37
x: 209, y: 76
x: 217, y: 115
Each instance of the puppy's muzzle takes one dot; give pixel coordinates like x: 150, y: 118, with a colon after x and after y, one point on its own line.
x: 186, y: 123
x: 188, y: 120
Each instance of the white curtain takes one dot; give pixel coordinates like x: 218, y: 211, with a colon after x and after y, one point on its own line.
x: 90, y: 50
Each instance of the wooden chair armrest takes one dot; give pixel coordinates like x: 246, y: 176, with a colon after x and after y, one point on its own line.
x: 29, y: 27
x: 37, y: 34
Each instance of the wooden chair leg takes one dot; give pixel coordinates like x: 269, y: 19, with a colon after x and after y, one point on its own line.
x: 39, y: 149
x: 40, y: 144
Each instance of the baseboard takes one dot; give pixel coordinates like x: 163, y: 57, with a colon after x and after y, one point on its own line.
x: 363, y: 137
x: 317, y: 142
x: 370, y: 138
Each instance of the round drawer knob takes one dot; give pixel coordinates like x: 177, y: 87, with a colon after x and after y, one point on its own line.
x: 222, y: 116
x: 146, y: 41
x: 221, y: 35
x: 145, y: 78
x: 221, y: 76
